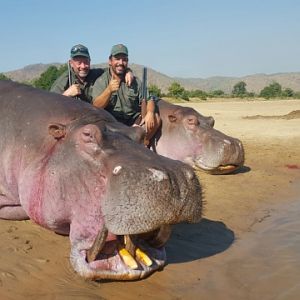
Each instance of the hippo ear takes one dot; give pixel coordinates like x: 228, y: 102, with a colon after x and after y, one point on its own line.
x: 57, y: 130
x: 172, y: 118
x: 89, y: 138
x: 211, y: 121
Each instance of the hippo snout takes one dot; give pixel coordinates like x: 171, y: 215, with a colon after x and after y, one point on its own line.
x: 221, y: 154
x: 155, y: 197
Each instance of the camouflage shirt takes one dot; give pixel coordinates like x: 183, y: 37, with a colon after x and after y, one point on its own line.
x: 62, y: 83
x: 124, y: 104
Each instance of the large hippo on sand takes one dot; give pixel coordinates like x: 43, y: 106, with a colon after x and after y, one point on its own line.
x: 73, y: 169
x: 188, y: 136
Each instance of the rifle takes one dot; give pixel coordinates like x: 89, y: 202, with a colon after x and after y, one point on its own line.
x: 143, y: 102
x: 69, y: 74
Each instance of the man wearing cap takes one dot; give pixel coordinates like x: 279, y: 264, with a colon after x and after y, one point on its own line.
x: 79, y: 79
x: 122, y: 101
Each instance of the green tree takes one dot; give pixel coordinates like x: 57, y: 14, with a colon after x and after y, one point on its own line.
x: 154, y: 90
x: 3, y: 77
x: 239, y: 89
x: 176, y: 90
x: 48, y: 77
x: 217, y: 93
x: 288, y: 93
x: 271, y: 91
x: 198, y: 94
x: 296, y: 95
x: 185, y: 95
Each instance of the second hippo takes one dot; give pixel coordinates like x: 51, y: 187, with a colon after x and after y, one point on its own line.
x: 188, y: 136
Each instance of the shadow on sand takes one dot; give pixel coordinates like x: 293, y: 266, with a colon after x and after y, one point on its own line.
x: 194, y: 241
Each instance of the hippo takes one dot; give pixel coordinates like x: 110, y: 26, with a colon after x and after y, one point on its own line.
x: 188, y: 136
x: 73, y: 169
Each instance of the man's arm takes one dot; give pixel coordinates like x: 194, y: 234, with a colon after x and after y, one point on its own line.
x: 149, y: 117
x: 59, y: 84
x: 102, y: 100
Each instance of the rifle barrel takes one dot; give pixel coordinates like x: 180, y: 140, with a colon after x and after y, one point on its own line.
x: 144, y: 91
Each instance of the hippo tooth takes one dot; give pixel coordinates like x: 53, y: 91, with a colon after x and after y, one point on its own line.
x: 116, y: 170
x: 128, y: 259
x: 129, y: 244
x: 98, y: 244
x: 158, y: 175
x: 143, y: 257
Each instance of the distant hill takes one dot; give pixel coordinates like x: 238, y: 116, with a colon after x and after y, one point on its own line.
x: 255, y: 83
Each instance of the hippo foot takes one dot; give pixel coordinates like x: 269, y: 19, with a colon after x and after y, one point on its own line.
x: 115, y: 262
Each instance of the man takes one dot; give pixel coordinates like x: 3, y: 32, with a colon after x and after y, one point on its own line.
x: 122, y: 101
x: 79, y: 79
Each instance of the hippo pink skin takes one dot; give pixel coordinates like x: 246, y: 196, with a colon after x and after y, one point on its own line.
x: 190, y: 137
x: 73, y: 169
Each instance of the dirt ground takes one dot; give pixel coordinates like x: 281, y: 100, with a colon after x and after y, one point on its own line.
x: 34, y: 262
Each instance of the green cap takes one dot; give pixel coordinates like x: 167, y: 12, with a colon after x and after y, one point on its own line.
x: 119, y: 49
x: 79, y: 50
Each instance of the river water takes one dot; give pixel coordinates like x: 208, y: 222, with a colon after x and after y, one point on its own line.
x: 264, y: 264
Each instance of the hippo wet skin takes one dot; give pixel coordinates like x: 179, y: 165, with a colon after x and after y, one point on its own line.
x: 188, y: 136
x: 73, y: 169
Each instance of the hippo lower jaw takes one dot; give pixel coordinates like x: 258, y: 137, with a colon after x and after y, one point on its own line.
x: 198, y: 164
x: 114, y: 261
x: 219, y: 170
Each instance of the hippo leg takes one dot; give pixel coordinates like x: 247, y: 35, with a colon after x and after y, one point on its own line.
x: 11, y: 211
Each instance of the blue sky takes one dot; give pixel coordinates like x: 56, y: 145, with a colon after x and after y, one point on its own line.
x: 180, y: 38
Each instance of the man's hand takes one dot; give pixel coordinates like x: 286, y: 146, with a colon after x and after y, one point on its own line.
x: 149, y: 121
x: 129, y: 77
x: 72, y: 91
x: 114, y: 84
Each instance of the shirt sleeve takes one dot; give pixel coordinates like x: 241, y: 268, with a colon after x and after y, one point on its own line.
x: 60, y: 84
x: 100, y: 85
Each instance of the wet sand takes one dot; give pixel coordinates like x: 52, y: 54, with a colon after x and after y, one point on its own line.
x: 219, y: 258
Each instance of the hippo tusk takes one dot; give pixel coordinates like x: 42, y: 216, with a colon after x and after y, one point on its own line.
x: 143, y: 257
x: 130, y: 244
x: 128, y: 259
x: 97, y: 245
x: 136, y: 252
x: 161, y: 237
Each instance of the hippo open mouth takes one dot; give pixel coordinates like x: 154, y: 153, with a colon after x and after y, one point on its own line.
x: 214, y: 168
x: 121, y: 257
x: 219, y: 170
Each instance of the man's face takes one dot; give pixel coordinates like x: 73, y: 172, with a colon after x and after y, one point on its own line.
x: 81, y: 66
x: 119, y: 63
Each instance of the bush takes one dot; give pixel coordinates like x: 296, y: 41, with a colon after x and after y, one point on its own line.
x: 271, y: 91
x: 47, y: 78
x: 239, y: 89
x: 3, y: 77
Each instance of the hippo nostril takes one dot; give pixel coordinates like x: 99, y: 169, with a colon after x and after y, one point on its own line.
x: 158, y: 175
x: 117, y: 170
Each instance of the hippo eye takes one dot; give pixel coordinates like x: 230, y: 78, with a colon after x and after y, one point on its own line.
x: 193, y: 121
